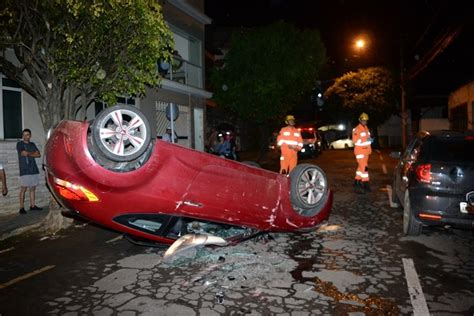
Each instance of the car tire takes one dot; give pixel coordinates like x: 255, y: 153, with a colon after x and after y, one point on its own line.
x: 308, y: 189
x: 394, y: 196
x: 411, y: 227
x: 121, y: 133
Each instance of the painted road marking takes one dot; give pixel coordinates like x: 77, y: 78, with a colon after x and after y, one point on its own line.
x: 114, y: 239
x: 384, y: 168
x: 390, y: 192
x: 414, y: 289
x: 6, y: 250
x: 25, y: 276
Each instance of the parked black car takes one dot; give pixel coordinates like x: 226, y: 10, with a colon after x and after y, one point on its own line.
x: 434, y: 181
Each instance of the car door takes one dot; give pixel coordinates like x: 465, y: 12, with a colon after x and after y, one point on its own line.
x: 401, y: 179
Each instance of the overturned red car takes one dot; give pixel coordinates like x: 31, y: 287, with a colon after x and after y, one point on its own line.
x: 114, y: 173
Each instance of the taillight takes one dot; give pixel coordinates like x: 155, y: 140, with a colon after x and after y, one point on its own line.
x: 423, y: 173
x: 71, y: 191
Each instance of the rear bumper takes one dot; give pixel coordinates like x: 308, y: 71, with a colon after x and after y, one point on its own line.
x: 440, y: 209
x: 308, y: 151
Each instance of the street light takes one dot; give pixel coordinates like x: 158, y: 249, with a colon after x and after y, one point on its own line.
x: 360, y: 44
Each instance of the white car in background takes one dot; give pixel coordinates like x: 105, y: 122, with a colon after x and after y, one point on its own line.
x: 343, y: 142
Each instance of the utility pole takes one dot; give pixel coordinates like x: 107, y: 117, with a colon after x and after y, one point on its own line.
x: 403, y: 106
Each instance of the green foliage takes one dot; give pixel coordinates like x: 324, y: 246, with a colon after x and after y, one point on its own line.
x: 114, y: 47
x: 90, y: 48
x: 367, y: 90
x: 267, y: 71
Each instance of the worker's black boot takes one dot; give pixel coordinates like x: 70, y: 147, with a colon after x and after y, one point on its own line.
x: 358, y: 187
x: 366, y: 186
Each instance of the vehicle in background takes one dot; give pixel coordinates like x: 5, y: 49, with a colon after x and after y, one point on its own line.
x: 343, y: 142
x: 434, y: 181
x: 312, y: 145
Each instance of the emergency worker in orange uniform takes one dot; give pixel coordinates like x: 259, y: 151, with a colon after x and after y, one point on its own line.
x: 290, y: 142
x: 362, y: 150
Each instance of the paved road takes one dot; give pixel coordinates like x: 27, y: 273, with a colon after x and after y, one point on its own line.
x: 358, y: 263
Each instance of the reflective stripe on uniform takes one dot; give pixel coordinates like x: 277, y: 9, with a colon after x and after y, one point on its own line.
x: 282, y: 158
x: 367, y: 143
x: 358, y: 173
x: 364, y: 175
x: 296, y: 134
x: 359, y: 156
x: 286, y: 133
x: 363, y: 134
x: 300, y: 144
x: 288, y: 142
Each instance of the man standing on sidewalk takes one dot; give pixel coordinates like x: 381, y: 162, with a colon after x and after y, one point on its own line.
x: 29, y: 173
x: 362, y: 151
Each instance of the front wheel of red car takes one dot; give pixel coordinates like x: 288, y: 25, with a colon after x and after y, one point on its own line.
x: 309, y: 189
x: 121, y: 133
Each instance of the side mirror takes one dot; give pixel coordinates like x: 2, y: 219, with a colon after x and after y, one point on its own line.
x: 396, y: 154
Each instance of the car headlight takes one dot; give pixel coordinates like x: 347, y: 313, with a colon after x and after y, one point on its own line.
x: 303, y: 150
x: 311, y: 145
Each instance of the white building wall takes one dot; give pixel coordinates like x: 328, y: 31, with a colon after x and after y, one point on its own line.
x: 9, y: 159
x: 464, y: 95
x: 433, y: 124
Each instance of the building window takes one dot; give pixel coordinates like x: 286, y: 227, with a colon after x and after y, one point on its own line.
x: 186, y: 67
x: 10, y: 109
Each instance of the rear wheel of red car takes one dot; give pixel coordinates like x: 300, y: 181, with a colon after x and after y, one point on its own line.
x: 121, y: 133
x: 411, y: 227
x: 309, y: 189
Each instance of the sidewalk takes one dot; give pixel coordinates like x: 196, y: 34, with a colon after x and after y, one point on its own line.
x: 16, y: 224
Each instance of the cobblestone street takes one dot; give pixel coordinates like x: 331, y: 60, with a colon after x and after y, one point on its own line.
x: 357, y: 263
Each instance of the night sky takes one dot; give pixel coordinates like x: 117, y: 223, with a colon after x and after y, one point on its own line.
x: 420, y: 26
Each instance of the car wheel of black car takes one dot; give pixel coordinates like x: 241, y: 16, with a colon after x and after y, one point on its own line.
x: 309, y: 189
x: 411, y: 226
x: 393, y: 196
x: 121, y: 133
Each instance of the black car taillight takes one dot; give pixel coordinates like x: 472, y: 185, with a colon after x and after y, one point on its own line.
x: 423, y: 173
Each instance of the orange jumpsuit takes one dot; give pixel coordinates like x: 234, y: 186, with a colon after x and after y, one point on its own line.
x: 290, y: 141
x: 362, y: 150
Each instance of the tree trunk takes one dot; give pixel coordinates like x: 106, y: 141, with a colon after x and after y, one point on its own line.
x: 264, y: 142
